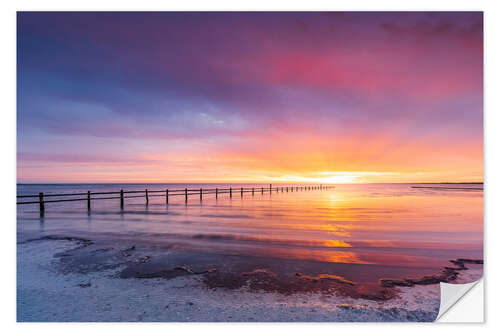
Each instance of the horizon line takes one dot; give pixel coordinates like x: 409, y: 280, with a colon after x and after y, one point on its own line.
x: 236, y: 182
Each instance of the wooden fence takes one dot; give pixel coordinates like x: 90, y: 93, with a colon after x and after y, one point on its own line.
x: 146, y: 194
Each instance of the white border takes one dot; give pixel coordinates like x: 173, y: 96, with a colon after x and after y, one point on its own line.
x: 8, y: 133
x: 467, y: 306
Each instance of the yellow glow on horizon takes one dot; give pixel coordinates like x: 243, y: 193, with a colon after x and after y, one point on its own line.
x: 334, y: 177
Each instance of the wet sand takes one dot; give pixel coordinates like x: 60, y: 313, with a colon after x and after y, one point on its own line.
x: 71, y: 279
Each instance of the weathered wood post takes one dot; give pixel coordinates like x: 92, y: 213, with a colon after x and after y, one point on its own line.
x: 270, y: 188
x: 147, y: 197
x: 230, y: 192
x: 262, y: 190
x: 252, y: 191
x: 216, y: 193
x: 186, y: 194
x: 42, y: 204
x: 201, y: 194
x: 121, y: 199
x: 166, y: 196
x: 287, y: 188
x: 88, y: 201
x: 242, y: 192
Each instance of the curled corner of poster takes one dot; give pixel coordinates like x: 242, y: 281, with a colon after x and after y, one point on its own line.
x: 462, y: 303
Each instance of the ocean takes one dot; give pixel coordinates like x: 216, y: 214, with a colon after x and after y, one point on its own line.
x: 349, y: 238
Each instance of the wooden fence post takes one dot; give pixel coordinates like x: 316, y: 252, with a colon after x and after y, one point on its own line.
x: 122, y: 193
x: 42, y: 204
x: 88, y: 201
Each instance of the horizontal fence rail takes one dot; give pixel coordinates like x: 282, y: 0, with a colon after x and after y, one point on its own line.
x: 146, y: 194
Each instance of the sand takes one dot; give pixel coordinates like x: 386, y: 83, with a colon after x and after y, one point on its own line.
x: 46, y: 294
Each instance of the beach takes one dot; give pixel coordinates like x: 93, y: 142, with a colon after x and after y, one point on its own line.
x: 46, y: 294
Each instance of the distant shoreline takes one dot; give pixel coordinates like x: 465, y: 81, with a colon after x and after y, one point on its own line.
x: 197, y: 183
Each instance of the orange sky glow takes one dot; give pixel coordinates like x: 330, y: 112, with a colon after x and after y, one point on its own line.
x: 250, y: 97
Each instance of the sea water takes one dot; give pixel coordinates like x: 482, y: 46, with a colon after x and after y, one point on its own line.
x: 386, y: 230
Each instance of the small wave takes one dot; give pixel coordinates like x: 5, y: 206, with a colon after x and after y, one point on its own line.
x: 235, y: 216
x: 325, y: 277
x: 448, y: 274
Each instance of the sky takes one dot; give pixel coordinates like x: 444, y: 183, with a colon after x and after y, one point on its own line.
x: 325, y: 97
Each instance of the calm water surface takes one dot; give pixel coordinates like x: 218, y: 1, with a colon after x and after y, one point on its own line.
x: 391, y: 230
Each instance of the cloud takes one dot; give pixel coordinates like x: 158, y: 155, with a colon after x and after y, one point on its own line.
x: 356, y: 91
